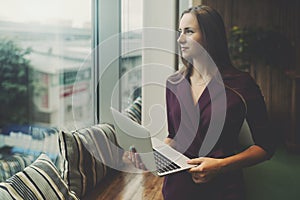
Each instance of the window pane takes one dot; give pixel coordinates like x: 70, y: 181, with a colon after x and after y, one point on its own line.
x: 131, y: 51
x: 46, y: 69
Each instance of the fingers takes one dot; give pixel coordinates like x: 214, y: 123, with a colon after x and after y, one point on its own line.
x: 195, y: 169
x: 199, y: 177
x: 195, y: 161
x: 206, y: 169
x: 198, y: 174
x: 138, y: 162
x: 135, y: 158
x: 131, y: 156
x: 126, y: 157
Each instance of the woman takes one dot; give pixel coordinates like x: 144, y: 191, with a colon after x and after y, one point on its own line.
x: 199, y: 103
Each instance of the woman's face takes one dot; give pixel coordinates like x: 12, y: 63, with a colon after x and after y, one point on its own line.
x: 190, y: 37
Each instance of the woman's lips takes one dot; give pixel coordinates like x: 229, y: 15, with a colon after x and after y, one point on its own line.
x: 184, y: 48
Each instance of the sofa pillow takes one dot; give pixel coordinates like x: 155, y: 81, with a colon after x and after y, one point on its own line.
x: 40, y: 180
x: 11, y: 164
x: 87, y: 154
x: 133, y: 111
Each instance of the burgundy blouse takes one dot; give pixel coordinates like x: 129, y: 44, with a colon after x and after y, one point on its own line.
x: 211, y: 129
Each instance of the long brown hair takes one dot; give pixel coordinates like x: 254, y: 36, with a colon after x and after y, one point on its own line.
x: 214, y: 36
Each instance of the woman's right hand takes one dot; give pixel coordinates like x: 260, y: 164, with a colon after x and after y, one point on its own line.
x: 134, y: 158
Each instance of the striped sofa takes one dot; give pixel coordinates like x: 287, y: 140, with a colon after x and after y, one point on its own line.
x: 86, y: 157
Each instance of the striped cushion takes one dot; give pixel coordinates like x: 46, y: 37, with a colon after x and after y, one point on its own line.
x: 40, y: 180
x: 87, y: 153
x: 134, y: 110
x: 11, y: 164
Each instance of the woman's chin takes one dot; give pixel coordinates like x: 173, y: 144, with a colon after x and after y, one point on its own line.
x: 185, y: 56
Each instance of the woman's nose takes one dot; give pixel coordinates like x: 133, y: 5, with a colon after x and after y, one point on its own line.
x: 181, y: 38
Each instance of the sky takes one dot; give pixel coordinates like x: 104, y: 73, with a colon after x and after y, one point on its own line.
x: 75, y: 11
x: 46, y: 11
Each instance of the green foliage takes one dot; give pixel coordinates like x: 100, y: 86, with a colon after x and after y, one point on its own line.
x: 265, y: 46
x: 15, y: 83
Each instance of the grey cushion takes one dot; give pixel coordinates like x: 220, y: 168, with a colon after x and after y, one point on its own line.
x: 40, y: 180
x: 134, y: 110
x: 11, y: 164
x: 88, y: 153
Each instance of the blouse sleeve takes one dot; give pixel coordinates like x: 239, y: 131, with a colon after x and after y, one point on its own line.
x: 169, y: 93
x: 257, y: 117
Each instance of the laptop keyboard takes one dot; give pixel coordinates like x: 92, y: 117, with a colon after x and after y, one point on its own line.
x: 163, y: 164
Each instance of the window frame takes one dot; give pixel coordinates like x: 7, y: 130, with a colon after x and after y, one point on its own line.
x: 107, y: 52
x: 107, y: 26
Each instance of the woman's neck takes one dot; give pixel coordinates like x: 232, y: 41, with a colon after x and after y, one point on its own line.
x: 199, y: 71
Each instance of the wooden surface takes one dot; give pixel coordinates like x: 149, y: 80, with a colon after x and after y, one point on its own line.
x: 276, y: 14
x: 293, y: 135
x: 128, y: 186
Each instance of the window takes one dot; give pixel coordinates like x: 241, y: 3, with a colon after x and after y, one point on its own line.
x: 72, y: 53
x: 131, y: 54
x: 46, y: 65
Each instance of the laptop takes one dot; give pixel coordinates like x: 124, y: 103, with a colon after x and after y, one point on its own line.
x: 157, y: 157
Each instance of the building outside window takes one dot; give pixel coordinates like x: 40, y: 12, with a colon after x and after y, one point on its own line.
x: 49, y: 77
x: 58, y: 37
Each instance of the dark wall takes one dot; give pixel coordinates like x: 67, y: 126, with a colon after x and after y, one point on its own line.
x: 281, y: 15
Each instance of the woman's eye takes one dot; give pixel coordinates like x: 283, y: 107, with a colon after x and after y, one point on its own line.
x: 186, y: 32
x: 189, y: 31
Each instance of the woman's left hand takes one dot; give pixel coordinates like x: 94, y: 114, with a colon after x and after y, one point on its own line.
x: 206, y: 170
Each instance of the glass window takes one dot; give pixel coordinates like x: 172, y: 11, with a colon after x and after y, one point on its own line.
x: 131, y: 58
x: 45, y: 61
